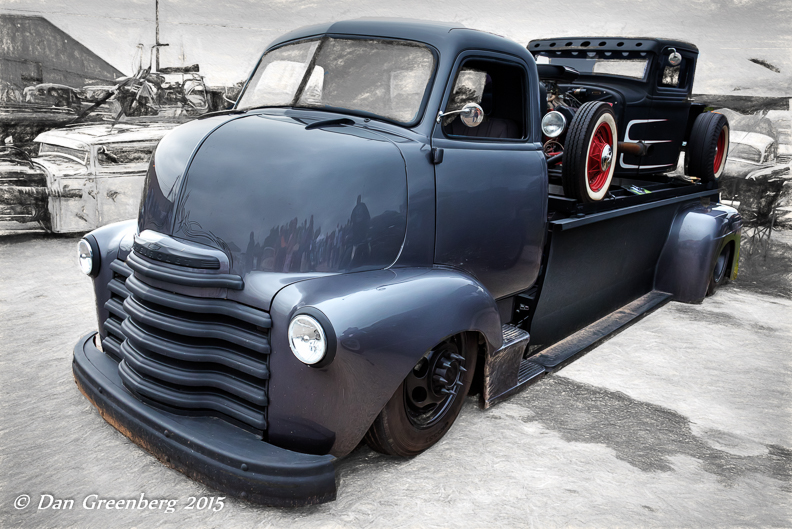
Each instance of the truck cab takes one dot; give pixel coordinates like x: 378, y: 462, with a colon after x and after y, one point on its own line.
x: 364, y: 240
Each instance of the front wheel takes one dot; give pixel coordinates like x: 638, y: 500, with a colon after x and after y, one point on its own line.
x: 590, y: 152
x: 427, y: 402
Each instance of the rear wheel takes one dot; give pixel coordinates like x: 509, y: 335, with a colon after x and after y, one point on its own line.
x: 720, y: 274
x: 427, y: 402
x: 590, y: 152
x: 708, y: 147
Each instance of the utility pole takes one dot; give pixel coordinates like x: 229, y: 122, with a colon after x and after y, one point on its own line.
x: 157, y: 43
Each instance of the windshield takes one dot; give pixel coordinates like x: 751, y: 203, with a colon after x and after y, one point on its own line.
x: 124, y: 153
x: 77, y: 155
x: 618, y: 63
x: 387, y: 78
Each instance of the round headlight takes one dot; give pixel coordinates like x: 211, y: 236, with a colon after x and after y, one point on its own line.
x: 553, y: 124
x: 86, y: 258
x: 307, y: 339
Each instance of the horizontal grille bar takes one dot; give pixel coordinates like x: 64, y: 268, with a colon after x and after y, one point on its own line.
x: 112, y: 326
x: 177, y: 348
x: 190, y: 400
x: 201, y: 305
x: 181, y: 325
x: 191, y: 377
x: 183, y: 277
x: 115, y: 307
x: 117, y: 287
x: 112, y: 346
x: 120, y: 268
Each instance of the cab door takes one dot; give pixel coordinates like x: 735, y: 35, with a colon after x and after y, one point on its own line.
x: 665, y: 128
x: 491, y: 180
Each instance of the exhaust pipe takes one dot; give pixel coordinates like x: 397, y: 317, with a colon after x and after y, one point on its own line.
x: 634, y: 148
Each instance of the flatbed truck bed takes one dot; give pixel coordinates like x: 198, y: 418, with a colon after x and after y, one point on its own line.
x: 582, y: 298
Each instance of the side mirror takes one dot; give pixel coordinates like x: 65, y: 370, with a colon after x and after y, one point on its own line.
x: 674, y: 57
x: 471, y: 114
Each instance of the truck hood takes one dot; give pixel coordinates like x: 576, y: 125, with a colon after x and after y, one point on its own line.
x: 280, y: 194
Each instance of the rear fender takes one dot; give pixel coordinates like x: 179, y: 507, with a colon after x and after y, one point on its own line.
x: 383, y: 321
x: 697, y: 236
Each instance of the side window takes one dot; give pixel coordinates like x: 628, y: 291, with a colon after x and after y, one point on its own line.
x: 675, y: 76
x: 500, y: 89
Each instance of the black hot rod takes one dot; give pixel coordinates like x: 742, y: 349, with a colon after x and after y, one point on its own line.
x: 367, y: 237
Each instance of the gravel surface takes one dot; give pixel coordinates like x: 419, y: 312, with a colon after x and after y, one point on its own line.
x: 682, y: 420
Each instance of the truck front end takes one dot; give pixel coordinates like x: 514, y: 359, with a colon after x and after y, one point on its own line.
x: 252, y: 324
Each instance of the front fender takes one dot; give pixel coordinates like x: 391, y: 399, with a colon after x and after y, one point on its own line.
x: 114, y: 242
x: 696, y: 239
x: 384, y: 321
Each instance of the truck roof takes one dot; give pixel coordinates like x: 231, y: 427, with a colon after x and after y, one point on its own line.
x: 647, y: 44
x: 446, y: 37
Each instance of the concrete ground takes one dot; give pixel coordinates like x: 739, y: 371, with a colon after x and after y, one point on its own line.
x: 682, y: 420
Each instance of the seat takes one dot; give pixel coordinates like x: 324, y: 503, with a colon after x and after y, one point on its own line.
x: 489, y: 128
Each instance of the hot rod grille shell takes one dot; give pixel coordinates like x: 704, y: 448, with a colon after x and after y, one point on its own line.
x: 192, y: 355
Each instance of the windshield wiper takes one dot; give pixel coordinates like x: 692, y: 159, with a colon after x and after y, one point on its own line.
x: 328, y: 122
x: 222, y: 113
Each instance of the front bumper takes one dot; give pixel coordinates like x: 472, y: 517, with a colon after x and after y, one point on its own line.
x: 206, y: 449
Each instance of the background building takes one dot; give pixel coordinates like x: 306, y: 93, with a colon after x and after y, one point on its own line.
x: 33, y: 50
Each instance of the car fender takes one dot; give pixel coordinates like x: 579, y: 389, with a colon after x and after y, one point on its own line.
x: 384, y: 321
x: 114, y: 242
x: 697, y: 236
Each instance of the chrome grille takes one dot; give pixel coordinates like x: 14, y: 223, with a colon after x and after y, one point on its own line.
x: 192, y: 354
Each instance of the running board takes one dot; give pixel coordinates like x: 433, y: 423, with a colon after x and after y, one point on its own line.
x: 500, y: 383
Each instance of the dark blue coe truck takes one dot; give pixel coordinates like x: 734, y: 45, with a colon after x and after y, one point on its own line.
x: 393, y: 216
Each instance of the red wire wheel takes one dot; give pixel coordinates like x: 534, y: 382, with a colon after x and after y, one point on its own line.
x: 597, y: 170
x: 708, y: 147
x: 590, y: 154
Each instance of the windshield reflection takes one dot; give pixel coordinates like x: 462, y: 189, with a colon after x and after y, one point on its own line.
x: 386, y: 78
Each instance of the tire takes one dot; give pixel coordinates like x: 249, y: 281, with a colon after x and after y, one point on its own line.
x: 590, y: 152
x: 708, y: 147
x: 401, y: 429
x: 719, y: 275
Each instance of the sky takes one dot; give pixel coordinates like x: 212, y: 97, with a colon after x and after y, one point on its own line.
x: 226, y: 37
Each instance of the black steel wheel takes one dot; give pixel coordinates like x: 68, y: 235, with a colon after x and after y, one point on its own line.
x: 708, y: 147
x: 720, y: 270
x: 590, y: 152
x: 427, y: 402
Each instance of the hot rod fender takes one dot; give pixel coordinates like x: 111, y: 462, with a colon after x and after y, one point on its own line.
x: 384, y: 322
x: 698, y: 235
x: 114, y: 242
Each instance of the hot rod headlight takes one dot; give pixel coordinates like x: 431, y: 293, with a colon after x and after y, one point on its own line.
x: 307, y: 339
x: 553, y: 124
x: 88, y: 256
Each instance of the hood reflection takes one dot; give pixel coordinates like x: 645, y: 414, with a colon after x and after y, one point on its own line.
x: 279, y: 198
x: 300, y: 247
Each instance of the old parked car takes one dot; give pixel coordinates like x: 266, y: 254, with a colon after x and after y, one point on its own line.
x: 23, y: 116
x: 365, y: 239
x: 53, y: 95
x: 23, y: 197
x: 89, y: 176
x: 749, y: 152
